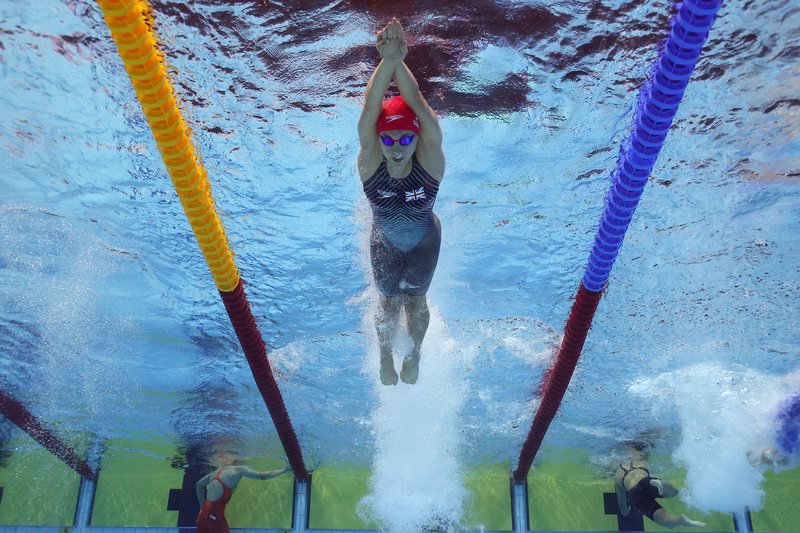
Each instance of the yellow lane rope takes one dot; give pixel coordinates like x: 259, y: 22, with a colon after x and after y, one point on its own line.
x: 131, y: 29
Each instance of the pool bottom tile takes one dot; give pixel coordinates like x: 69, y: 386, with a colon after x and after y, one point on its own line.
x: 781, y: 512
x: 37, y: 488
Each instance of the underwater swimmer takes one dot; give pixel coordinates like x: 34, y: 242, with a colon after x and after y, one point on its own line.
x: 401, y: 164
x: 637, y: 491
x: 214, y: 491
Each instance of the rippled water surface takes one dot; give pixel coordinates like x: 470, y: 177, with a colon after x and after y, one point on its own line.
x: 110, y: 322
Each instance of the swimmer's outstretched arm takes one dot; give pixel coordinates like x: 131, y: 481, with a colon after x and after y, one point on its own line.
x: 429, y: 148
x: 373, y: 99
x: 392, y: 51
x: 430, y: 132
x: 246, y: 471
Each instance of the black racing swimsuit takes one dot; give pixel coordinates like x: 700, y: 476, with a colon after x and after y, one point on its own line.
x: 406, y: 234
x: 642, y: 496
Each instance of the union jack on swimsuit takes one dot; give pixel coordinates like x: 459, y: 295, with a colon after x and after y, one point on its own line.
x: 416, y: 194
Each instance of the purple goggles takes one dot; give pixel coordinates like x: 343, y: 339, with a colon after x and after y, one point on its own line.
x: 405, y: 140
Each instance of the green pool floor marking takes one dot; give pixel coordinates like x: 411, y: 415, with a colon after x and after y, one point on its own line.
x: 133, y: 485
x: 335, y: 496
x: 567, y: 496
x: 336, y: 493
x: 38, y: 489
x: 489, y: 501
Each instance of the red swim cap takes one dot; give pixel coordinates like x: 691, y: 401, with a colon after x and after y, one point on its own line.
x: 396, y: 115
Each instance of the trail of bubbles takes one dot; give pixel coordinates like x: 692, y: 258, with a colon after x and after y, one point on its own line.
x: 724, y: 413
x: 417, y: 476
x: 79, y: 346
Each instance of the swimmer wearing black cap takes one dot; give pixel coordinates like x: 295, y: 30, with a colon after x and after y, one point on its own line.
x: 401, y: 164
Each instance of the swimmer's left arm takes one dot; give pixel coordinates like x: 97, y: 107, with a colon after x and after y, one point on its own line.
x: 430, y: 131
x: 429, y: 146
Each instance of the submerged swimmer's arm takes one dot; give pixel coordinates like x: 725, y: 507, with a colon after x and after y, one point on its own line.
x: 200, y: 487
x: 369, y: 154
x: 622, y: 497
x: 392, y: 49
x: 392, y: 52
x: 253, y: 474
x: 429, y: 146
x: 373, y: 104
x: 430, y: 132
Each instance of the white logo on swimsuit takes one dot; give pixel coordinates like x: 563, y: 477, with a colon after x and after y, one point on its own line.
x: 392, y: 118
x: 416, y: 194
x: 386, y: 194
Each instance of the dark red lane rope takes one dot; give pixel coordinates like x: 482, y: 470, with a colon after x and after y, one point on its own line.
x: 658, y: 103
x: 256, y: 352
x: 19, y: 415
x: 558, y: 377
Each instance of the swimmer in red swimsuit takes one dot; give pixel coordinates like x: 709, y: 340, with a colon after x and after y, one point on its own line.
x: 401, y: 164
x: 637, y: 492
x: 214, y: 492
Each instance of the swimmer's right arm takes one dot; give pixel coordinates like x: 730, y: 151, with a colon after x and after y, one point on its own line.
x: 253, y: 474
x: 373, y: 100
x: 201, y: 488
x: 622, y: 498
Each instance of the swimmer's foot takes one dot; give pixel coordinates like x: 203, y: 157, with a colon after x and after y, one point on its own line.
x: 410, y: 371
x: 388, y: 373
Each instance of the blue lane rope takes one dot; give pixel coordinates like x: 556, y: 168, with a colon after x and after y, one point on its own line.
x: 658, y: 103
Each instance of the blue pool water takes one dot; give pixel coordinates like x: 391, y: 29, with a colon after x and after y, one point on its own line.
x: 110, y: 322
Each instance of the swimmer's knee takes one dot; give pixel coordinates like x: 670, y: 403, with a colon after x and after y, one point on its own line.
x: 417, y: 301
x: 667, y: 489
x: 390, y: 304
x: 386, y: 322
x: 417, y: 307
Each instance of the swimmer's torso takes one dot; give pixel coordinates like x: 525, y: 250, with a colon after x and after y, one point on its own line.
x: 402, y: 208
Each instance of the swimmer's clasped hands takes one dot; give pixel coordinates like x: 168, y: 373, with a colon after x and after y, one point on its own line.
x: 391, y: 42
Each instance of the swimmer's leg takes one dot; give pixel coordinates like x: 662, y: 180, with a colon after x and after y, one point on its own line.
x: 386, y: 325
x: 665, y: 488
x: 418, y: 316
